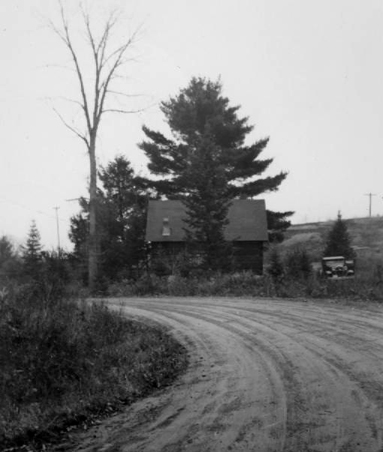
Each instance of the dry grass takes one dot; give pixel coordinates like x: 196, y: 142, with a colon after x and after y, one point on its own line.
x: 62, y: 361
x: 364, y: 288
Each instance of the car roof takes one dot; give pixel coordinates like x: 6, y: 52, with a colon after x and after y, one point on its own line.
x: 333, y: 258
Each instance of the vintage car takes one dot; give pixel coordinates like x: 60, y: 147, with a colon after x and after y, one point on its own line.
x: 337, y: 266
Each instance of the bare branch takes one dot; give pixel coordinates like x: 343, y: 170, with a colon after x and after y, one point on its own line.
x: 68, y: 43
x: 54, y: 66
x: 118, y: 110
x: 71, y: 128
x: 90, y: 35
x: 56, y: 30
x: 67, y: 99
x: 119, y: 53
x: 110, y: 24
x: 119, y: 93
x: 101, y: 60
x: 97, y: 67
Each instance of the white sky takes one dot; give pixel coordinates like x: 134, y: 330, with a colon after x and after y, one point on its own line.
x: 308, y: 73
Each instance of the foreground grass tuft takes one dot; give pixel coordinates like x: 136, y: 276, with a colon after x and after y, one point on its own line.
x: 62, y: 361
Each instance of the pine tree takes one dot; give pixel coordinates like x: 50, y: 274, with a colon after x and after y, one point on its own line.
x: 199, y: 109
x: 339, y: 241
x: 32, y: 252
x: 207, y: 204
x: 122, y: 214
x: 119, y: 186
x: 122, y: 217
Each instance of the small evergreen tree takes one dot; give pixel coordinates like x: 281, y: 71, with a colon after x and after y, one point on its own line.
x: 32, y: 252
x: 339, y: 241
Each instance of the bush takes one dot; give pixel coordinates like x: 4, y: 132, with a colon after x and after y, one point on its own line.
x: 297, y: 264
x: 275, y: 268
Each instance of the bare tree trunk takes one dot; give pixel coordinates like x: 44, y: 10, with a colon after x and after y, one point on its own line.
x: 93, y: 236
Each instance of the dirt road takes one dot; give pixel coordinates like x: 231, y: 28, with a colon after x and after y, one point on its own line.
x: 265, y: 375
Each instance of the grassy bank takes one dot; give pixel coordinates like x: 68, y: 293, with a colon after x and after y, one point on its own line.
x: 62, y: 362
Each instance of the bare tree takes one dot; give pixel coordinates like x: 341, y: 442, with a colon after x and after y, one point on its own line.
x: 108, y: 59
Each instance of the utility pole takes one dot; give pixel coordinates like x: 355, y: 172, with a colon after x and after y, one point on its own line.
x: 58, y: 230
x: 370, y: 195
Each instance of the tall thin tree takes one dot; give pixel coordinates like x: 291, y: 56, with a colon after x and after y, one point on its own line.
x: 108, y: 58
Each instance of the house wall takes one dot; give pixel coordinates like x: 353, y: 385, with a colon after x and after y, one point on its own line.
x: 246, y: 256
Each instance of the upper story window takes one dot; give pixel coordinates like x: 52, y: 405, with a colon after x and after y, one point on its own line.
x: 166, y: 231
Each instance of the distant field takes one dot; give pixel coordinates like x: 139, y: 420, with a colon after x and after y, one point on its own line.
x: 366, y: 235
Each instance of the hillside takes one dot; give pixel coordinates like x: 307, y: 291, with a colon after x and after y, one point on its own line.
x: 366, y: 236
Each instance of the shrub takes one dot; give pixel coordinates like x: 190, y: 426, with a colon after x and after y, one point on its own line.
x: 275, y: 268
x: 297, y: 264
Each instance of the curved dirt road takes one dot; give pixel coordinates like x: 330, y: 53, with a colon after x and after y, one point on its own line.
x: 265, y: 375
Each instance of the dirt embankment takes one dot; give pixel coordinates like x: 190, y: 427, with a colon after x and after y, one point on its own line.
x: 265, y: 375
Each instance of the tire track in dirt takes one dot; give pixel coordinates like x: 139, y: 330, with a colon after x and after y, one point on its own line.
x: 264, y: 375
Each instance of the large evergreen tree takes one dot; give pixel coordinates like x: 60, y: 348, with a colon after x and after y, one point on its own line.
x: 207, y: 203
x: 199, y: 109
x: 339, y: 241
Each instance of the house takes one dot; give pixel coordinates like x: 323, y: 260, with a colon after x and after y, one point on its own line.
x: 246, y: 230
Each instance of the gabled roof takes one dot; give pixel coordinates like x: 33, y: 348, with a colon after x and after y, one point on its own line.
x: 247, y: 221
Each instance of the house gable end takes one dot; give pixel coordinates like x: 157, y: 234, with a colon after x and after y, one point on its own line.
x: 247, y: 221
